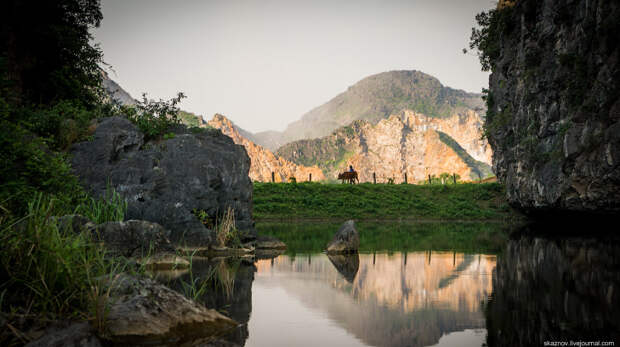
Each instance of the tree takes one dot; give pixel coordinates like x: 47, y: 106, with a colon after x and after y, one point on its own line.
x: 47, y: 52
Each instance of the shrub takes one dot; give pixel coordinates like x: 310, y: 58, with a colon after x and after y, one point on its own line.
x: 154, y: 118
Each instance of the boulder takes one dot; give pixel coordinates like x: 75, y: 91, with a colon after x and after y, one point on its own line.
x: 133, y: 238
x: 75, y: 335
x: 166, y: 181
x: 265, y: 242
x: 145, y: 312
x: 346, y: 239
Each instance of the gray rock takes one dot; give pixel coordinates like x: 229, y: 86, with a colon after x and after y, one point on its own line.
x: 133, y: 238
x: 165, y: 261
x: 265, y: 242
x: 554, y: 119
x: 145, y: 312
x: 346, y: 239
x: 75, y: 335
x: 165, y: 181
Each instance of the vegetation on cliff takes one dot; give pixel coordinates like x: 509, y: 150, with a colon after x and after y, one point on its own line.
x: 286, y: 201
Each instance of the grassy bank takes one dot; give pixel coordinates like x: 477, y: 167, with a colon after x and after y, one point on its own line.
x: 288, y: 201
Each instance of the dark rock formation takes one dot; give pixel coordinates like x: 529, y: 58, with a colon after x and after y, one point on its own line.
x: 145, y: 312
x: 548, y: 289
x: 269, y: 242
x: 554, y: 104
x: 165, y: 181
x: 133, y: 238
x: 346, y: 239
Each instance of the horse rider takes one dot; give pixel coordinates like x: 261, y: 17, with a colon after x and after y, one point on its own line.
x: 351, y: 168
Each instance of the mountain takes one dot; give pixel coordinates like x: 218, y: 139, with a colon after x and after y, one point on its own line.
x: 375, y: 98
x: 263, y: 161
x: 409, y: 142
x: 115, y: 91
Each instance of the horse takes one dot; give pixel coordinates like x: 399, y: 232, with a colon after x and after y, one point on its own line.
x: 350, y: 176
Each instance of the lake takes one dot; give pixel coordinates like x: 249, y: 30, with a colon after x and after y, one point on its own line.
x: 429, y: 284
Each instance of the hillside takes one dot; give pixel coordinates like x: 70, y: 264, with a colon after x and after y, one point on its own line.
x: 409, y: 143
x: 263, y: 161
x: 374, y: 98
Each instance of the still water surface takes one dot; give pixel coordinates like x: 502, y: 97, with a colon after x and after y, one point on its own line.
x: 436, y: 285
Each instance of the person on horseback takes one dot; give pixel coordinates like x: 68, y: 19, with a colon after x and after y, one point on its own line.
x: 351, y: 168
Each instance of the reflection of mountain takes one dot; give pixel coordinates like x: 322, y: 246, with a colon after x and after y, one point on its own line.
x: 394, y: 300
x: 555, y: 290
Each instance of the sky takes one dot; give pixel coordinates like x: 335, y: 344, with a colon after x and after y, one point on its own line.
x: 263, y: 64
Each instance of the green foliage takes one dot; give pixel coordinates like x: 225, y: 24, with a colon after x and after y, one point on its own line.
x: 154, y: 118
x: 313, y: 200
x: 47, y: 45
x: 28, y: 166
x: 111, y: 207
x: 49, y: 270
x: 485, y: 39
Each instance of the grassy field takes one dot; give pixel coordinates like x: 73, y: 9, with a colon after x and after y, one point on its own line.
x: 290, y: 201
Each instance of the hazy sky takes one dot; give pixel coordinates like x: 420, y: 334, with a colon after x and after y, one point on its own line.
x: 265, y: 63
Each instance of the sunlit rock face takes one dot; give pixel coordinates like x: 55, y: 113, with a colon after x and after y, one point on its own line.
x: 555, y: 290
x: 392, y: 300
x: 407, y: 143
x: 554, y: 105
x: 263, y: 161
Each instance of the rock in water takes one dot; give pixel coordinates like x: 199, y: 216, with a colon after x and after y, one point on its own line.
x: 165, y: 181
x: 133, y: 238
x: 346, y: 240
x: 269, y: 242
x: 145, y: 312
x: 554, y: 105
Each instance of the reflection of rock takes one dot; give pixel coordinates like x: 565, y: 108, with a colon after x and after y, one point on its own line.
x: 145, y: 312
x: 229, y: 291
x: 346, y: 264
x: 74, y: 335
x: 346, y: 239
x: 268, y: 253
x: 555, y: 290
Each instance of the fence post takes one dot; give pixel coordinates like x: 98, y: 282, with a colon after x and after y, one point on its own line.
x: 273, y: 177
x: 454, y: 176
x: 429, y: 179
x: 374, y: 178
x: 405, y: 178
x: 310, y: 177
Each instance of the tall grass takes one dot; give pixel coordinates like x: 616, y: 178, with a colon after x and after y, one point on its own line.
x: 226, y: 233
x: 111, y: 207
x: 53, y: 272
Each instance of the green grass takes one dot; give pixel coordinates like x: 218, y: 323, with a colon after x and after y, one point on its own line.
x: 285, y: 201
x: 393, y: 236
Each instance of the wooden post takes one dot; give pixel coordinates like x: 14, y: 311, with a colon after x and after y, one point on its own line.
x: 454, y: 176
x: 374, y: 178
x: 429, y: 179
x: 273, y: 177
x: 405, y: 178
x: 310, y: 177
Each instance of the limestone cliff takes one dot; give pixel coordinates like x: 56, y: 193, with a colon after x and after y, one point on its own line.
x: 263, y: 161
x: 409, y: 143
x: 375, y: 98
x: 553, y: 116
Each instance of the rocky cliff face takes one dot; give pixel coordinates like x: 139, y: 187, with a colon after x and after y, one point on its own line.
x: 409, y: 143
x: 374, y: 98
x: 164, y: 181
x: 263, y: 161
x: 554, y: 103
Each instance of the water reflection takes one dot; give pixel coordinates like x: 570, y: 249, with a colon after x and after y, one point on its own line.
x: 400, y: 299
x: 555, y: 289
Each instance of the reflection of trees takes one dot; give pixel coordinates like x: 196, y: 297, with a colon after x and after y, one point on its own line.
x: 395, y: 300
x: 555, y: 290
